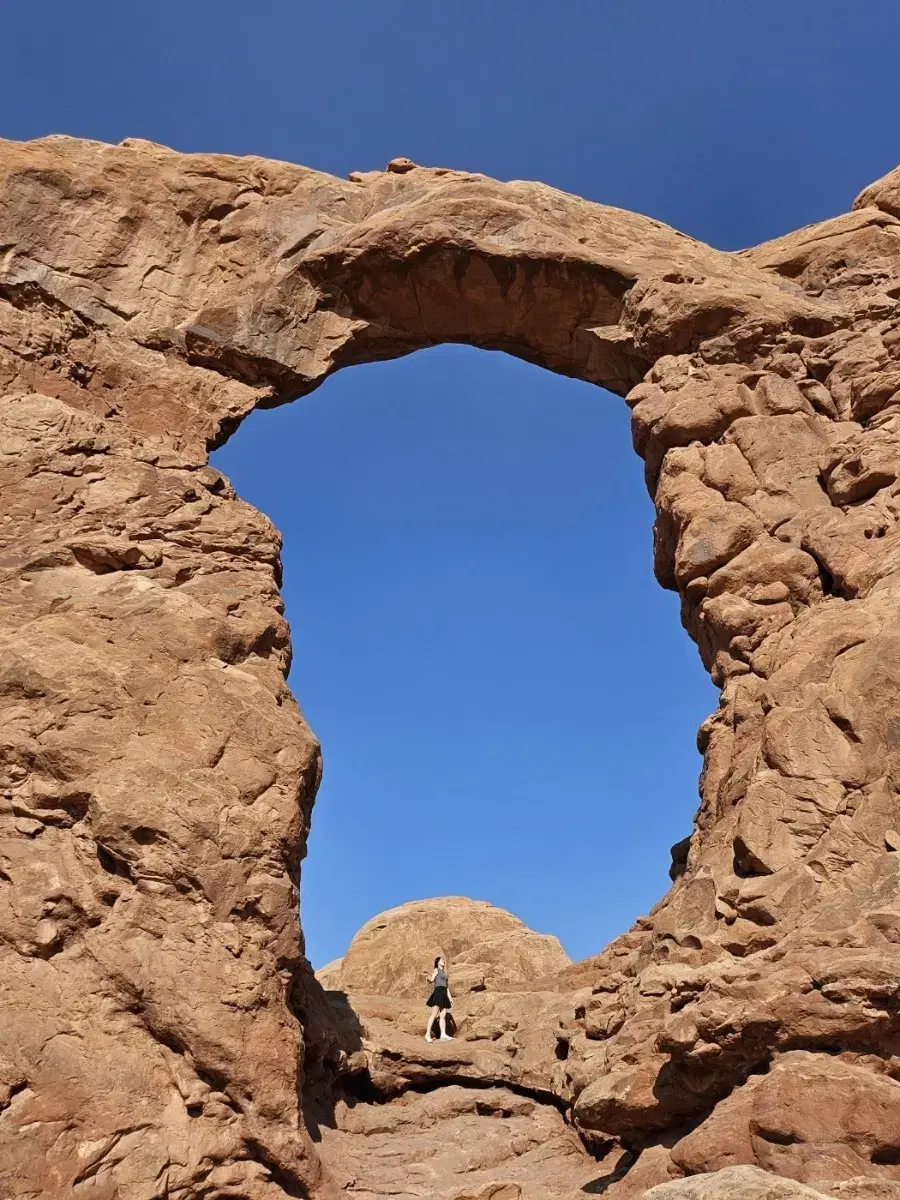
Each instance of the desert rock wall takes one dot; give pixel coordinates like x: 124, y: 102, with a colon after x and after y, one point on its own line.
x: 158, y: 778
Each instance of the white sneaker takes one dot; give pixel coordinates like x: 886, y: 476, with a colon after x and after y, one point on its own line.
x: 445, y: 1037
x: 428, y: 1037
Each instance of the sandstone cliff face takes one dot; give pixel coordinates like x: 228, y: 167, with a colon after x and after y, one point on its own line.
x: 480, y: 1116
x: 158, y: 777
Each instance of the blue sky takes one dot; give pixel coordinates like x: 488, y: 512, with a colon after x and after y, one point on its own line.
x: 506, y: 699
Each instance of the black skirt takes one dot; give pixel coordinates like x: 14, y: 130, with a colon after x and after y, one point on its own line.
x: 438, y: 998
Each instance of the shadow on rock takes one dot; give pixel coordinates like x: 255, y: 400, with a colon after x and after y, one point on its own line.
x: 596, y: 1187
x: 333, y: 1039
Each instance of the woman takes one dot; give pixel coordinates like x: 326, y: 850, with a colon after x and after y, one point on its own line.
x: 440, y: 1000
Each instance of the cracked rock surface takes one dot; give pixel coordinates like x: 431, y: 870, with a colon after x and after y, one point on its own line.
x: 160, y: 1032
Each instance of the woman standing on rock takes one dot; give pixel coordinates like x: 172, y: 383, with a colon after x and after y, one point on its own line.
x: 440, y: 1000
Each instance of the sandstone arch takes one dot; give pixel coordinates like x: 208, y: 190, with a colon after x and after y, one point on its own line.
x: 159, y: 777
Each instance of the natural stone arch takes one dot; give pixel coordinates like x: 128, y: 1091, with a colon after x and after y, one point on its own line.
x: 271, y: 276
x: 159, y: 775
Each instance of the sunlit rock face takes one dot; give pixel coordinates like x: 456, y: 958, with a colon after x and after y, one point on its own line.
x: 490, y: 949
x: 161, y: 1032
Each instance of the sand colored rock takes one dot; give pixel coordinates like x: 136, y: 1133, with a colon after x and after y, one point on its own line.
x: 486, y: 947
x: 751, y: 1183
x: 458, y: 1143
x: 811, y: 1117
x: 734, y: 1183
x: 160, y: 1031
x: 477, y: 1117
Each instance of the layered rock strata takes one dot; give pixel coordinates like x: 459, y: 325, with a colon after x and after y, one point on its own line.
x: 158, y: 777
x: 479, y: 1117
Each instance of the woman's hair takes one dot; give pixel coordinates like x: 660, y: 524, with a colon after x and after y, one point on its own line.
x: 438, y: 959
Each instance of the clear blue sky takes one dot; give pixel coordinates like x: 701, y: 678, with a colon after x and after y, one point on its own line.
x: 506, y: 699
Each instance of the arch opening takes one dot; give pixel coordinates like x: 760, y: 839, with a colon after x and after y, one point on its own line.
x: 506, y: 704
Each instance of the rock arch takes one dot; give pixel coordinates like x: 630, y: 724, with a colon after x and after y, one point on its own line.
x: 159, y: 777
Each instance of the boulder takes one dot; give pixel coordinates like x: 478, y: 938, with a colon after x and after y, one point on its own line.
x: 486, y: 949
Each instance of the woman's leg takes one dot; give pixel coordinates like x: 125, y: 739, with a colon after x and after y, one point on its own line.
x: 443, y: 1026
x: 432, y: 1013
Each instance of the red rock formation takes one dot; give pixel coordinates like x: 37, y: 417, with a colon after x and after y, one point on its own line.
x: 491, y: 950
x: 158, y: 777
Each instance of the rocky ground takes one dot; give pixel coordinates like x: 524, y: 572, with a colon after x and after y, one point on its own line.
x: 480, y: 1116
x: 493, y: 1108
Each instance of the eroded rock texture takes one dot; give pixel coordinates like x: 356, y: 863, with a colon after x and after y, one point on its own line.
x: 158, y: 777
x: 491, y: 950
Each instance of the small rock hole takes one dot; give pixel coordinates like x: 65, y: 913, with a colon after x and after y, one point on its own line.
x: 113, y: 865
x: 144, y: 836
x: 777, y: 1137
x: 886, y: 1156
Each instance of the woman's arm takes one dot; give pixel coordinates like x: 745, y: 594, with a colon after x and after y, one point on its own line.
x: 432, y: 976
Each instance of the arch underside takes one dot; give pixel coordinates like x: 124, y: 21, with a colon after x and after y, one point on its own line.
x: 159, y: 777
